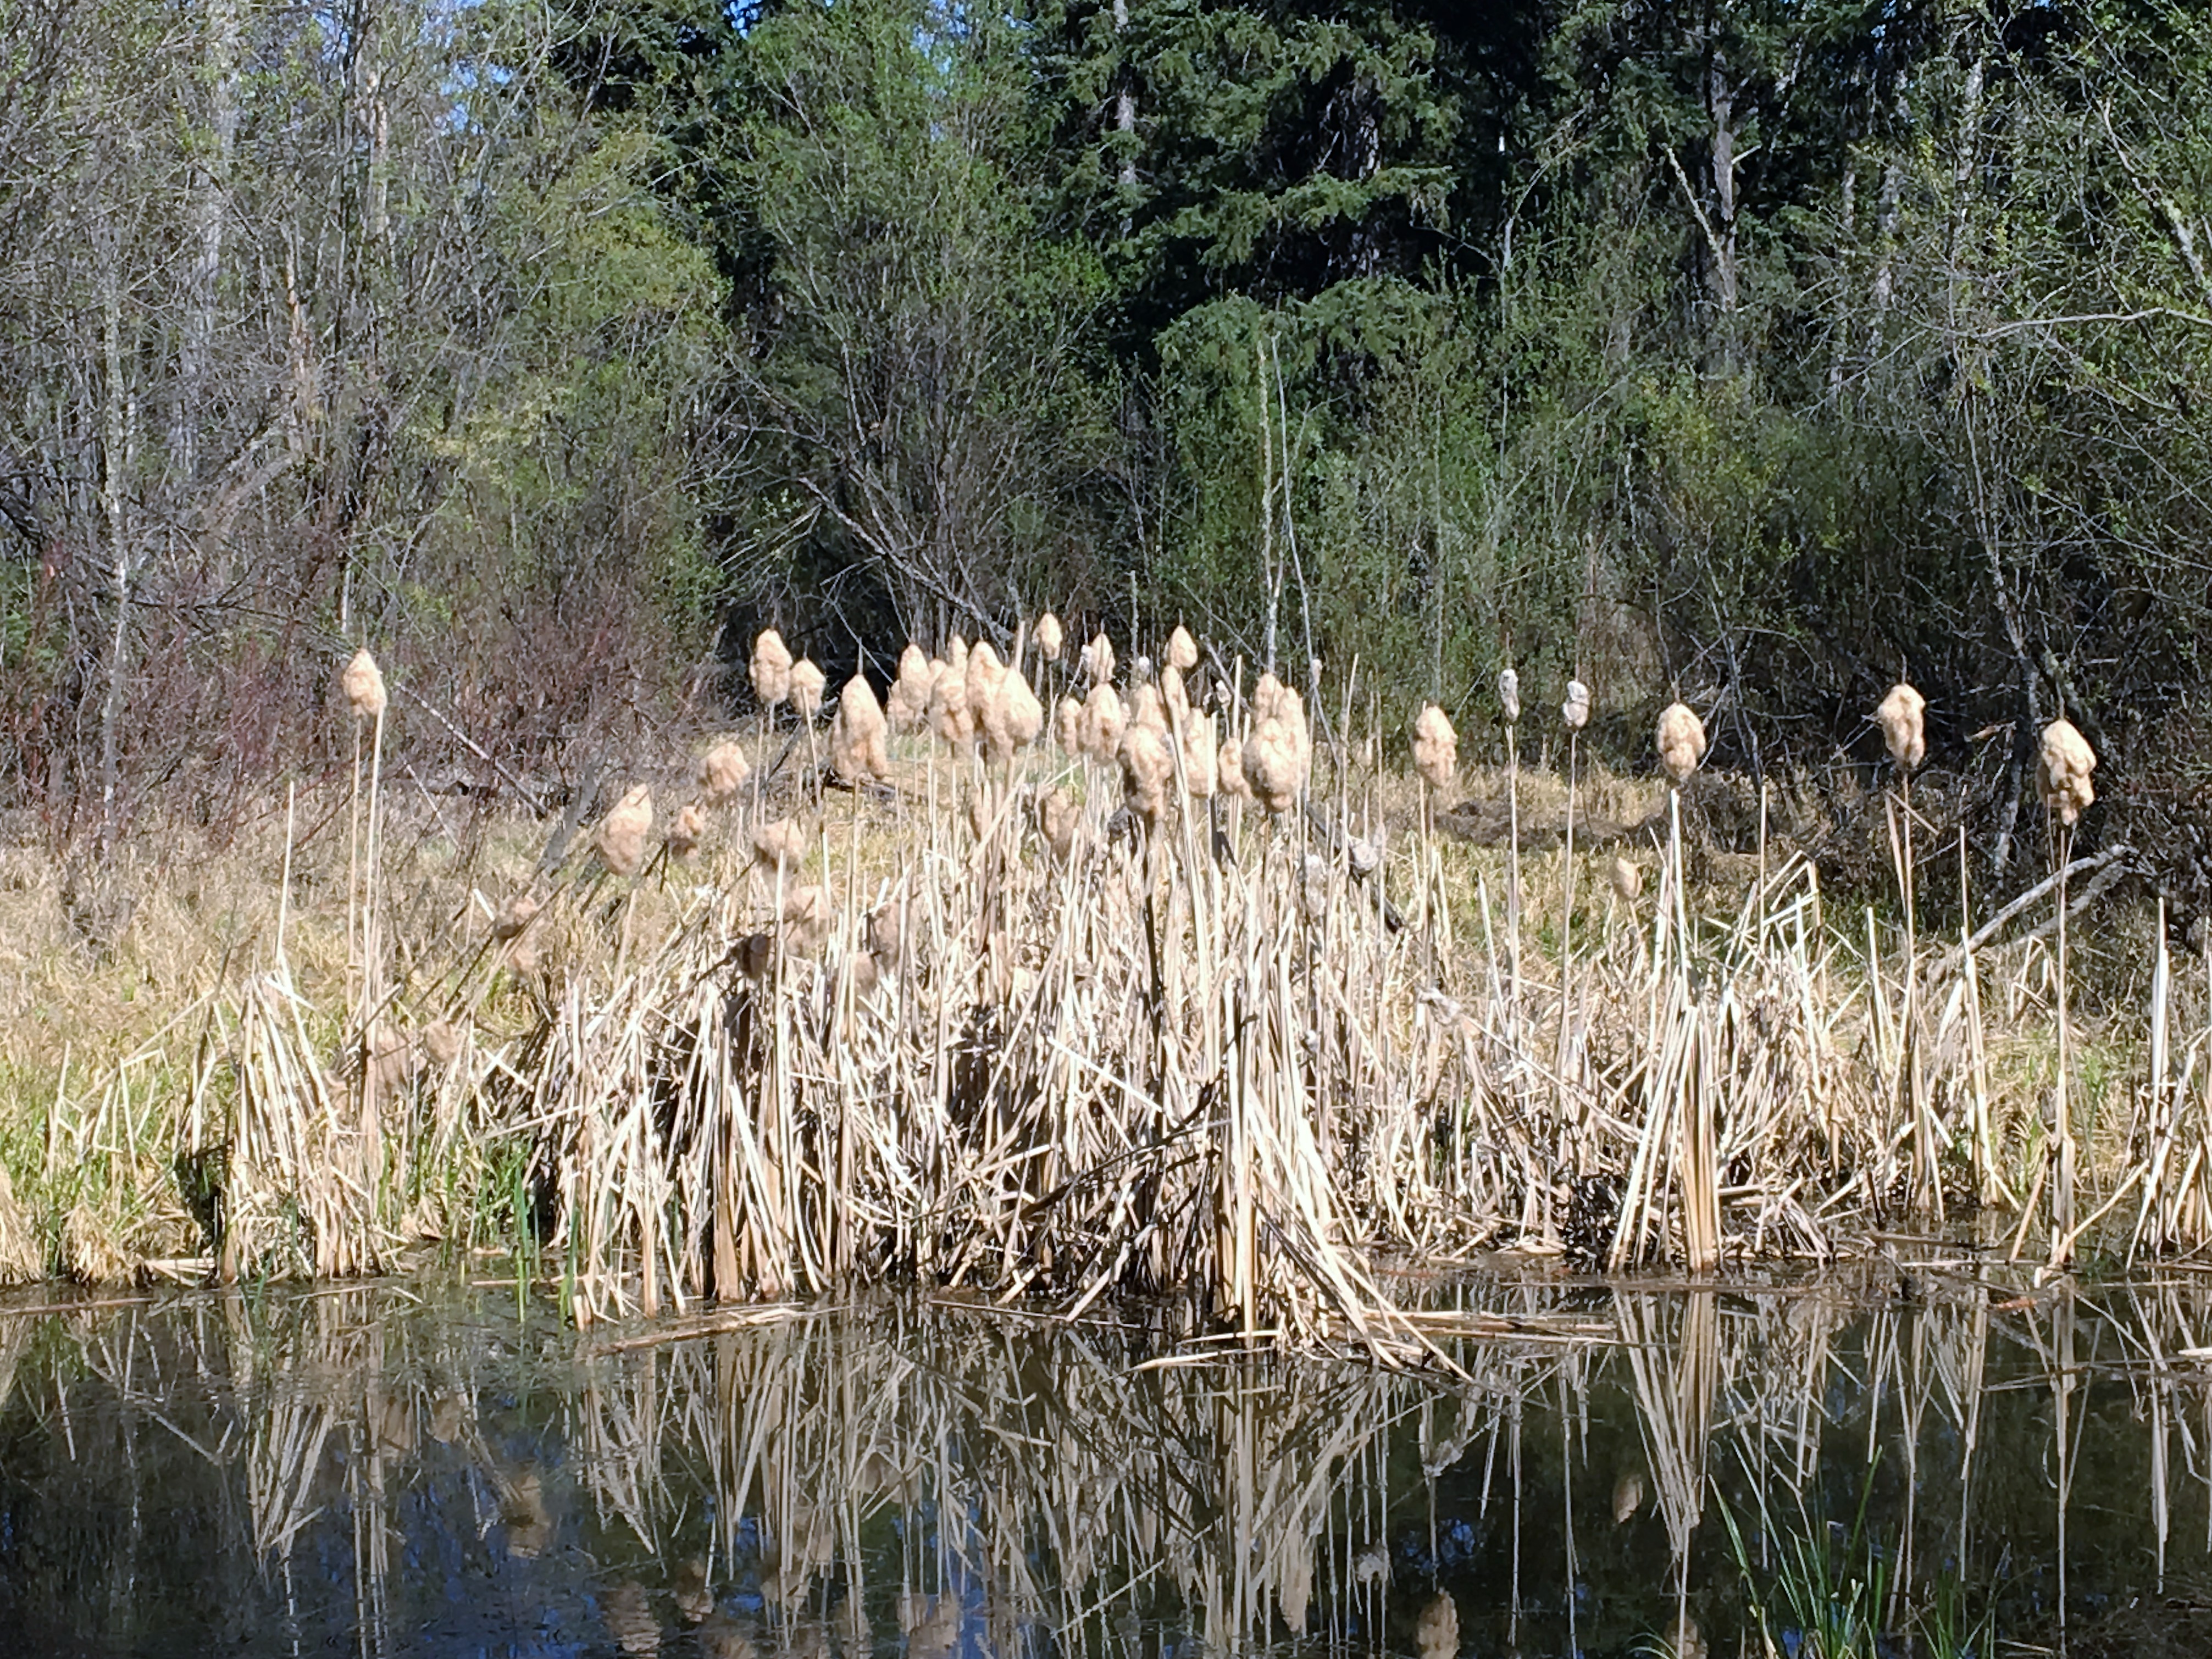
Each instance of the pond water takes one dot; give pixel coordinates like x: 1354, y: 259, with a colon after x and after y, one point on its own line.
x: 424, y: 1467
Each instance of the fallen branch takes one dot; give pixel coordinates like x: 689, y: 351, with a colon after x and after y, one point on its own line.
x: 2110, y: 867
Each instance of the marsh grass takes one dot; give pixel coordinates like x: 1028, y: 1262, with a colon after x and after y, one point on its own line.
x: 1208, y: 1056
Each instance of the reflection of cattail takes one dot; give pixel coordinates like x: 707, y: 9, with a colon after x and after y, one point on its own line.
x: 1067, y: 725
x: 770, y: 668
x: 1201, y: 756
x: 1627, y: 877
x: 683, y: 835
x: 780, y: 842
x: 621, y: 836
x: 1576, y: 709
x: 1509, y: 695
x: 1681, y: 741
x: 1436, y: 746
x: 910, y: 701
x: 857, y: 750
x: 1047, y: 636
x: 2062, y: 773
x: 723, y: 769
x: 1902, y: 729
x: 1183, y: 650
x: 1147, y: 765
x: 1058, y: 814
x: 362, y: 682
x: 1098, y: 659
x: 1103, y: 721
x: 807, y: 684
x: 1230, y: 780
x: 1436, y: 1633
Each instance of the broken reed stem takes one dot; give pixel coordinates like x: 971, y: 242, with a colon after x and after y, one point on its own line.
x: 2062, y: 1194
x: 1513, y: 821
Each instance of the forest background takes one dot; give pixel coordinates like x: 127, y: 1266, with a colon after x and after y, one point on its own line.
x: 1761, y: 351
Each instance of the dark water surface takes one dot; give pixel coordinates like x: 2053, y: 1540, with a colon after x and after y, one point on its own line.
x: 418, y: 1468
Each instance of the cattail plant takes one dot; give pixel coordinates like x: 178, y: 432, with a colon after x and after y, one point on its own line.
x: 1575, y: 713
x: 2064, y: 762
x: 362, y: 683
x: 1681, y: 744
x: 770, y: 669
x: 688, y: 830
x: 1058, y: 814
x: 1067, y: 725
x: 808, y: 683
x: 1436, y: 757
x: 950, y: 715
x: 909, y: 707
x: 778, y: 844
x: 1047, y: 636
x: 857, y: 752
x: 1901, y: 716
x: 1098, y: 659
x: 1181, y: 653
x: 1013, y: 717
x: 723, y: 769
x: 1104, y: 720
x: 1229, y: 779
x: 1273, y: 759
x: 621, y: 836
x: 1147, y: 764
x: 1628, y: 878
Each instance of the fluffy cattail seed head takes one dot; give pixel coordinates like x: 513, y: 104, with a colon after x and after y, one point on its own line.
x: 1271, y: 767
x: 1098, y: 659
x: 807, y: 684
x: 1067, y: 725
x: 1681, y: 740
x: 362, y: 682
x: 1436, y: 1633
x: 985, y: 671
x: 683, y: 835
x: 1103, y: 721
x: 1015, y: 716
x: 887, y: 932
x: 1147, y: 768
x: 1175, y: 697
x: 807, y: 915
x: 1145, y: 708
x: 950, y: 716
x: 1047, y: 636
x: 909, y: 702
x: 1436, y: 746
x: 1509, y: 695
x: 723, y: 769
x: 770, y: 669
x: 621, y: 836
x: 1057, y: 815
x: 1627, y: 877
x: 1902, y: 727
x: 1576, y: 709
x: 857, y: 752
x: 780, y: 842
x: 1183, y: 650
x: 2061, y: 772
x: 515, y: 915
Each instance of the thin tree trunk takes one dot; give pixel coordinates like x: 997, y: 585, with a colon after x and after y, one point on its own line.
x: 116, y: 441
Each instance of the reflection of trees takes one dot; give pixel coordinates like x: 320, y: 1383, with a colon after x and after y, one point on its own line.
x: 961, y: 1478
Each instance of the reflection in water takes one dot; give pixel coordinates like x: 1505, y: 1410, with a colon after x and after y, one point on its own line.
x: 361, y: 1470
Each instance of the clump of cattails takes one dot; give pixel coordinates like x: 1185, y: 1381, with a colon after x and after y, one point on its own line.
x: 909, y: 699
x: 858, y: 749
x: 1183, y: 650
x: 1436, y: 746
x: 723, y: 769
x: 620, y: 837
x: 1902, y: 727
x: 362, y: 682
x: 1067, y: 725
x: 770, y: 668
x: 807, y: 684
x: 1508, y: 696
x: 1147, y: 762
x: 1628, y: 878
x: 780, y: 842
x: 2061, y: 772
x: 1576, y: 710
x: 1681, y: 740
x: 1057, y: 815
x: 1098, y: 659
x: 1103, y: 721
x: 688, y: 830
x: 1047, y: 634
